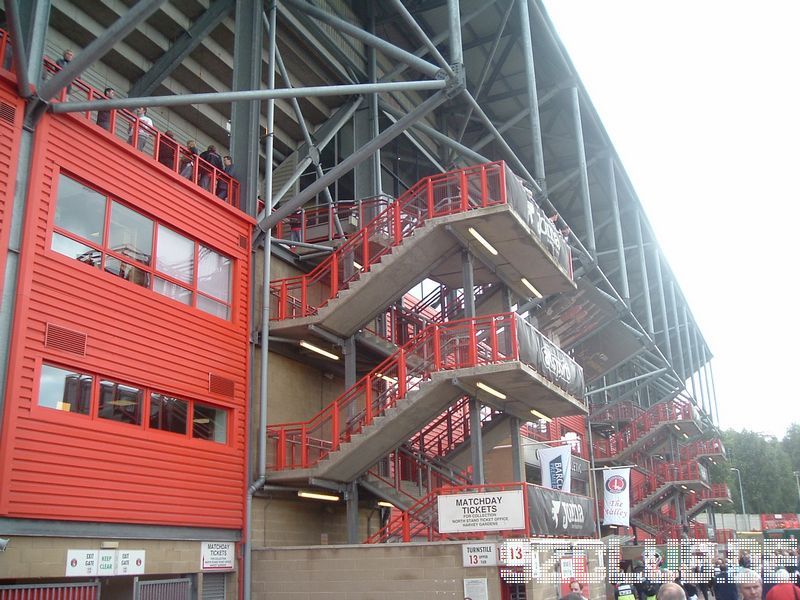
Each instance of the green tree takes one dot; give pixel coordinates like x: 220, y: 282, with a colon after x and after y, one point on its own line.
x: 766, y: 469
x: 791, y: 444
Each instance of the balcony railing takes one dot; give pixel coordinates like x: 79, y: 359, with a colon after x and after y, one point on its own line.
x: 128, y: 127
x: 467, y: 343
x: 712, y: 447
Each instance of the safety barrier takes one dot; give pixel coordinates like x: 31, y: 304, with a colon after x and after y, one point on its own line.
x: 711, y: 447
x: 51, y: 591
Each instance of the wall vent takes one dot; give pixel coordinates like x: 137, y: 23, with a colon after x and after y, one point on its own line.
x: 243, y: 241
x: 7, y: 112
x: 220, y: 385
x: 66, y: 340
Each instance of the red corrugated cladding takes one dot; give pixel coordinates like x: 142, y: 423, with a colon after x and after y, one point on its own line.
x: 66, y: 466
x: 11, y: 112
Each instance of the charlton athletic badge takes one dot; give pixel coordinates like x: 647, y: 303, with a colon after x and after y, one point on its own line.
x: 616, y: 484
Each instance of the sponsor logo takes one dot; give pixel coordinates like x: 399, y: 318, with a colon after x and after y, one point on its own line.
x: 616, y: 484
x: 570, y: 514
x: 557, y: 473
x: 556, y: 361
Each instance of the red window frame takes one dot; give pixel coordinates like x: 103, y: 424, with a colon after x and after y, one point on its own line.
x: 107, y: 252
x: 147, y: 392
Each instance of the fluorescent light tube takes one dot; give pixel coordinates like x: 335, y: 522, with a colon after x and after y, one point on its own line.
x: 531, y: 287
x: 483, y: 241
x: 491, y: 390
x: 542, y: 416
x: 318, y: 496
x: 318, y: 350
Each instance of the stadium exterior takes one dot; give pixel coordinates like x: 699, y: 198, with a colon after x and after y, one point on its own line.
x: 206, y: 399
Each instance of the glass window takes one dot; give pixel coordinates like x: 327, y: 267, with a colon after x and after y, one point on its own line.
x: 209, y: 423
x: 69, y: 247
x: 214, y: 275
x: 80, y: 210
x: 172, y: 290
x: 130, y: 234
x: 127, y: 271
x: 168, y: 413
x: 212, y: 307
x: 175, y: 255
x: 64, y: 389
x: 120, y: 402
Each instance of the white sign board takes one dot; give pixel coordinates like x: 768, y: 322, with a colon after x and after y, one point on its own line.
x: 130, y: 562
x: 106, y: 563
x: 476, y: 589
x: 81, y: 563
x: 217, y: 556
x: 479, y: 555
x: 486, y: 511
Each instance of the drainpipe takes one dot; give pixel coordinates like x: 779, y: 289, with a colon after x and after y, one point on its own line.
x: 264, y: 333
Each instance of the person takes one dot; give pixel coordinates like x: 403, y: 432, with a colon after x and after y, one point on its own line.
x: 723, y: 588
x: 222, y: 184
x: 749, y: 584
x: 212, y: 157
x: 624, y: 591
x: 62, y: 62
x: 670, y: 591
x: 187, y: 170
x: 784, y: 591
x: 104, y: 116
x: 576, y: 587
x: 145, y: 128
x: 166, y: 150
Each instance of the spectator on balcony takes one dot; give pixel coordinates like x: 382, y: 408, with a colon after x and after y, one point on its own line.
x: 104, y: 116
x: 212, y: 157
x: 166, y: 150
x: 222, y: 183
x: 145, y: 128
x: 62, y: 62
x: 187, y: 169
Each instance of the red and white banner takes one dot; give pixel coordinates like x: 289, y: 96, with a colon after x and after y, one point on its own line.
x: 617, y: 497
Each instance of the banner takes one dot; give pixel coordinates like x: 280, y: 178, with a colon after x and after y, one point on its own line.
x: 556, y: 468
x: 549, y: 360
x: 617, y: 497
x: 556, y: 513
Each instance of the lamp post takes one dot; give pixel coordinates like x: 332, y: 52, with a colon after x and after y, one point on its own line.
x: 741, y: 491
x: 797, y: 479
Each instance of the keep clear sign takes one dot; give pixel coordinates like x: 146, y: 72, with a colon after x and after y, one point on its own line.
x: 486, y: 511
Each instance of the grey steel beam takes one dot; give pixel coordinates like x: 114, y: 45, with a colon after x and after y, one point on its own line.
x: 374, y: 112
x: 438, y: 135
x: 623, y: 263
x: 98, y: 48
x: 34, y: 18
x: 250, y: 95
x: 17, y: 43
x: 500, y: 61
x: 662, y: 300
x: 454, y: 21
x: 517, y: 464
x: 420, y: 33
x: 267, y: 221
x: 475, y: 433
x: 690, y: 355
x: 699, y: 371
x: 82, y: 529
x: 583, y: 173
x: 351, y: 497
x: 438, y: 39
x: 488, y: 63
x: 343, y: 26
x: 714, y: 391
x: 627, y: 381
x: 502, y: 129
x: 645, y: 281
x: 533, y: 101
x: 183, y: 46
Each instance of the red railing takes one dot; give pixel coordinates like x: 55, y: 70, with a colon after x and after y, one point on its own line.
x: 641, y: 426
x: 696, y: 531
x: 445, y: 346
x: 317, y: 224
x: 412, y: 468
x: 420, y: 520
x: 619, y: 411
x: 129, y: 128
x: 5, y: 51
x: 683, y: 471
x: 459, y: 191
x: 718, y: 492
x: 712, y: 447
x: 724, y: 535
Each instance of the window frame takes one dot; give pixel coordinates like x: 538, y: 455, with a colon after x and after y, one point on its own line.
x: 150, y: 269
x: 147, y: 394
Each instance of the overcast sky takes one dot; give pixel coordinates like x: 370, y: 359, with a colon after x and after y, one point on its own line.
x: 700, y: 99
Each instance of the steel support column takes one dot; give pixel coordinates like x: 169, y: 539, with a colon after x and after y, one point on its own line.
x: 476, y: 436
x: 698, y: 354
x: 623, y: 263
x: 645, y: 281
x: 352, y: 512
x: 707, y: 388
x: 454, y: 20
x: 182, y: 47
x: 374, y: 113
x: 18, y: 44
x: 673, y: 301
x: 533, y: 99
x: 690, y: 374
x: 34, y: 17
x: 714, y: 391
x: 662, y: 300
x: 517, y: 460
x: 583, y: 172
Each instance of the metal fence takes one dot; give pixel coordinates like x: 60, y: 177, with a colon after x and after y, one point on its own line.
x: 51, y: 591
x: 162, y: 589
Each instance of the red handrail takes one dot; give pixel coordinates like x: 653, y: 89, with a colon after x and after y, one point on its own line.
x: 711, y: 447
x: 467, y: 189
x: 442, y: 346
x: 317, y: 224
x: 126, y: 126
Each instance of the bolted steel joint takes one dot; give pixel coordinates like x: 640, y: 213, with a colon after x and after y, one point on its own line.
x: 457, y: 82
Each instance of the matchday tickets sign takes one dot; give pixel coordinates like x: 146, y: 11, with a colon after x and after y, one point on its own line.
x: 486, y: 511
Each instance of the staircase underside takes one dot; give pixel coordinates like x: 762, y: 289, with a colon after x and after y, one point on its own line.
x: 432, y: 251
x: 525, y: 390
